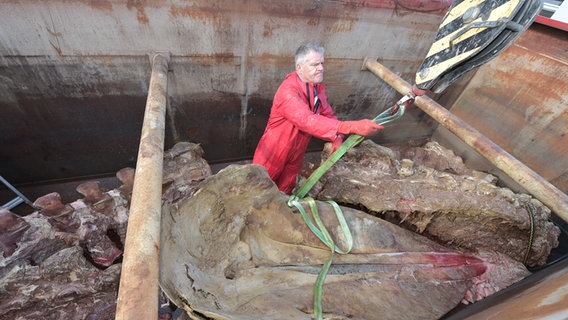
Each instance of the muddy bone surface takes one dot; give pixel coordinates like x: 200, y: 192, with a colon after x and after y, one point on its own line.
x: 428, y: 235
x: 430, y: 191
x: 235, y: 249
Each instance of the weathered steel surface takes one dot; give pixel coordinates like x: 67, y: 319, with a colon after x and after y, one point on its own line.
x: 520, y: 101
x: 139, y: 285
x: 61, y: 119
x: 75, y: 73
x: 75, y: 76
x: 526, y: 177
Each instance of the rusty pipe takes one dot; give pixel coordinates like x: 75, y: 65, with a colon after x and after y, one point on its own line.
x: 535, y: 184
x: 139, y: 280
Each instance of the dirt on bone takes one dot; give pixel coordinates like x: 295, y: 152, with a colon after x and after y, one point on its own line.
x: 247, y: 238
x: 430, y: 191
x: 236, y: 250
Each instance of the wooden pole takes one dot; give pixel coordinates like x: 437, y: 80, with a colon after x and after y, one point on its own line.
x: 539, y: 187
x: 139, y: 281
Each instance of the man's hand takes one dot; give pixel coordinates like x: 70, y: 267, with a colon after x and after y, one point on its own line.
x: 336, y: 143
x: 363, y: 127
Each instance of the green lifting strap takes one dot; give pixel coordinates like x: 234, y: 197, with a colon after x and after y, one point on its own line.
x: 297, y: 200
x: 386, y: 116
x: 321, y: 232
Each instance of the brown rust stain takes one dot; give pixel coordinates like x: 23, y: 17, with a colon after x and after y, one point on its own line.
x: 343, y: 26
x: 520, y: 79
x: 518, y: 101
x: 313, y: 12
x: 194, y: 12
x: 209, y: 13
x: 537, y: 72
x: 100, y: 5
x: 140, y: 11
x: 313, y: 22
x: 310, y: 13
x: 547, y: 41
x: 277, y: 59
x: 281, y: 9
x: 267, y: 29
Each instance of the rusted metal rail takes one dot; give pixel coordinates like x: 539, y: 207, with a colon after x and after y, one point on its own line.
x: 535, y: 184
x: 139, y: 281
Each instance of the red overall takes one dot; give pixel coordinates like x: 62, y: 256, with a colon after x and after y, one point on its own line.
x: 291, y: 124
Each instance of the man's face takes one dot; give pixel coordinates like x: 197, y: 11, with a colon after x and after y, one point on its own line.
x: 312, y: 70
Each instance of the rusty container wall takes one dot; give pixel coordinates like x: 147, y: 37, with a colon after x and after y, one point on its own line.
x: 520, y: 101
x: 75, y: 74
x: 74, y: 79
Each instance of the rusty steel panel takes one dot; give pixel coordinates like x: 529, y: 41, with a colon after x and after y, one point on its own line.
x: 75, y: 74
x: 63, y: 120
x: 540, y: 188
x: 87, y: 28
x: 520, y: 101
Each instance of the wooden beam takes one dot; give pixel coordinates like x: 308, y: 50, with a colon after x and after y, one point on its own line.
x: 139, y: 280
x: 539, y: 187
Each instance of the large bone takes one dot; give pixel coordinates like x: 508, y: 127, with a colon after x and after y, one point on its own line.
x: 429, y: 190
x: 236, y: 250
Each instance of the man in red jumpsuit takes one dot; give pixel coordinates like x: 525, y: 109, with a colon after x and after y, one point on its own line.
x: 299, y: 111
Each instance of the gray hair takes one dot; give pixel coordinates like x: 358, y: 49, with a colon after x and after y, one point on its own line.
x: 304, y: 50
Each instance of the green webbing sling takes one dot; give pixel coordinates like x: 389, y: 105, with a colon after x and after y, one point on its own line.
x: 298, y: 198
x: 386, y: 116
x: 326, y: 238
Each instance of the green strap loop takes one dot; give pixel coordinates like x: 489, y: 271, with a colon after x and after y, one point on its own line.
x: 320, y: 231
